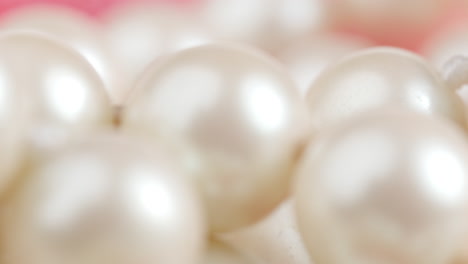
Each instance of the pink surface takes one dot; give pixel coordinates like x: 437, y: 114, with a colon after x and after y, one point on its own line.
x: 92, y: 7
x: 412, y: 41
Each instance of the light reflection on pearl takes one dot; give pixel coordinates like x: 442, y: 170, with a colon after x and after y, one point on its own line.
x: 70, y: 26
x: 263, y: 105
x: 226, y: 104
x: 448, y: 190
x: 67, y: 95
x: 61, y: 89
x: 150, y: 200
x: 384, y: 188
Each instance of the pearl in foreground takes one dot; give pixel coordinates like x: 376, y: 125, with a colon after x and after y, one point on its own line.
x: 241, y: 115
x: 380, y: 77
x: 107, y: 200
x: 69, y: 26
x: 386, y: 188
x: 59, y: 88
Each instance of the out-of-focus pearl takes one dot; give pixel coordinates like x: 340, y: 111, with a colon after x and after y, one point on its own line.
x: 221, y: 253
x: 264, y: 23
x: 306, y: 58
x: 274, y: 240
x: 139, y: 33
x: 229, y: 104
x: 380, y: 77
x: 387, y: 188
x: 103, y: 201
x: 69, y: 26
x: 59, y: 88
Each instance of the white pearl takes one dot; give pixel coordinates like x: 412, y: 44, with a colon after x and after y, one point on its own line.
x: 137, y: 34
x: 107, y: 200
x: 380, y: 77
x: 229, y: 104
x: 46, y: 91
x: 273, y: 240
x: 61, y: 89
x: 385, y: 188
x: 306, y: 58
x: 69, y: 26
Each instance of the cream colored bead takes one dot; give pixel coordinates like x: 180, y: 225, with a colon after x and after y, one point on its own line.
x: 385, y: 188
x: 240, y: 114
x: 107, y: 200
x: 70, y: 26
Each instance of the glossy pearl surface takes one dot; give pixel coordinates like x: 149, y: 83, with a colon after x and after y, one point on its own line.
x: 106, y: 200
x: 380, y: 77
x: 137, y: 34
x: 306, y: 58
x: 386, y: 188
x: 58, y: 87
x: 222, y: 253
x: 273, y: 240
x: 69, y: 26
x: 228, y: 104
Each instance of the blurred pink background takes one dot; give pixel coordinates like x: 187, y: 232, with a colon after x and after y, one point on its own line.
x: 96, y: 7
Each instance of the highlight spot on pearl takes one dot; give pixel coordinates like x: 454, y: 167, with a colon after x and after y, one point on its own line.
x: 67, y: 93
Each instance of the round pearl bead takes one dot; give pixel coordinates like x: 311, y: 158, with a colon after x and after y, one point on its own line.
x: 69, y: 26
x: 103, y: 201
x: 387, y: 188
x: 380, y: 77
x: 59, y: 88
x: 241, y: 115
x: 46, y: 91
